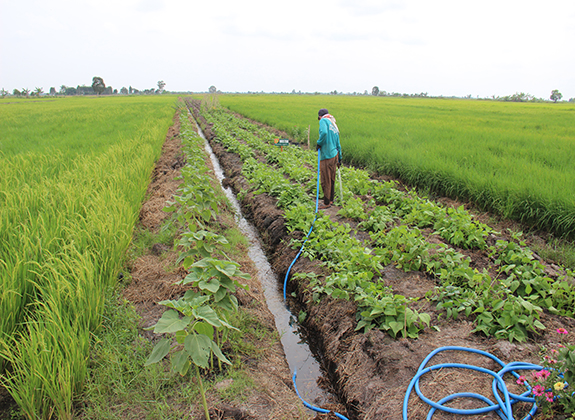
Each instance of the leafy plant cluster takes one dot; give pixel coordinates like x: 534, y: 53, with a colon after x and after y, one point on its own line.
x: 521, y: 288
x: 507, y: 306
x: 199, y: 320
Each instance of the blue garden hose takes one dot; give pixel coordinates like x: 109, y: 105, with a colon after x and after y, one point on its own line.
x: 314, y: 408
x: 310, y: 229
x: 308, y: 405
x: 503, y: 407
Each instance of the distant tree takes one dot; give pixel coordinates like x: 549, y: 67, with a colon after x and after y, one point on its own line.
x: 70, y: 91
x: 161, y: 86
x: 52, y: 91
x: 375, y: 91
x: 124, y: 91
x: 26, y: 92
x: 39, y: 91
x: 16, y: 92
x: 115, y: 91
x: 85, y: 90
x: 518, y: 97
x: 98, y: 85
x: 213, y: 89
x: 555, y: 95
x: 4, y: 92
x: 63, y: 89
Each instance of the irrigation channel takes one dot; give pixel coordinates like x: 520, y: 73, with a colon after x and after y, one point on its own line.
x: 300, y: 354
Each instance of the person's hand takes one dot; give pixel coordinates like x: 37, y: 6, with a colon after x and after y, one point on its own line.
x: 339, y: 164
x: 316, y: 147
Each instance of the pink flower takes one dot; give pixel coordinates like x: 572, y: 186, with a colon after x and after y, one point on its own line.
x: 549, y: 396
x: 544, y: 374
x: 562, y: 331
x: 554, y: 351
x: 521, y: 380
x: 535, y: 375
x: 538, y: 390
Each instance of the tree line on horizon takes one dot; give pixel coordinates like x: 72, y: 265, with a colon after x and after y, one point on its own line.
x: 516, y: 97
x: 98, y: 87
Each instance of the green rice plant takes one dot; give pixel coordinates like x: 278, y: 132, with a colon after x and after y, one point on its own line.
x: 75, y: 172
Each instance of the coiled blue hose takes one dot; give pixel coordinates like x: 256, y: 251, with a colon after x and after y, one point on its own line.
x: 503, y: 407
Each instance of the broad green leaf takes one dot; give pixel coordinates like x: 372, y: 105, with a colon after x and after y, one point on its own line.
x: 204, y: 328
x: 208, y: 314
x: 180, y: 362
x: 219, y: 353
x: 538, y: 324
x: 181, y: 336
x: 191, y: 278
x: 220, y: 294
x: 159, y: 352
x: 198, y: 347
x: 191, y: 294
x: 170, y: 322
x: 226, y: 303
x: 425, y: 318
x: 396, y: 326
x: 229, y: 269
x: 203, y: 263
x: 497, y: 304
x: 212, y: 285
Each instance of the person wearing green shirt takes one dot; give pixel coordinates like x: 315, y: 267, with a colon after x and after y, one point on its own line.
x: 330, y: 155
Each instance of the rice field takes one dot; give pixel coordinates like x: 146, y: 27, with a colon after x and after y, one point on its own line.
x: 73, y: 175
x: 514, y: 159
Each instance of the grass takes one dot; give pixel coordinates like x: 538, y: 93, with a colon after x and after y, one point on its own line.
x: 118, y: 384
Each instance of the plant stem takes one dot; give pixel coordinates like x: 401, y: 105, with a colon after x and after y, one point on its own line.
x: 204, y: 402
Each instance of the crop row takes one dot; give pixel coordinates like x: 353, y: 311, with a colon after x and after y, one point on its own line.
x: 199, y: 320
x: 507, y: 306
x: 511, y: 159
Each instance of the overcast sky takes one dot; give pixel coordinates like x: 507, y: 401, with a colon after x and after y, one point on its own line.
x: 442, y: 47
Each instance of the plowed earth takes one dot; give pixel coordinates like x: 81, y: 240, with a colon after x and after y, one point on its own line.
x: 372, y: 371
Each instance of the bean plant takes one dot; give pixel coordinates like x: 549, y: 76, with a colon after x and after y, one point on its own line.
x: 505, y: 306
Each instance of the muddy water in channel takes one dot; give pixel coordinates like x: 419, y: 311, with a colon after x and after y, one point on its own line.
x: 298, y: 353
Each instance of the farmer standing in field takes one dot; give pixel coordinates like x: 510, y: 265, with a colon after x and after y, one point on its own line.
x: 330, y: 155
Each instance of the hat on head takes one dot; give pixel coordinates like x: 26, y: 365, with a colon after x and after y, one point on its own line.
x: 322, y: 112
